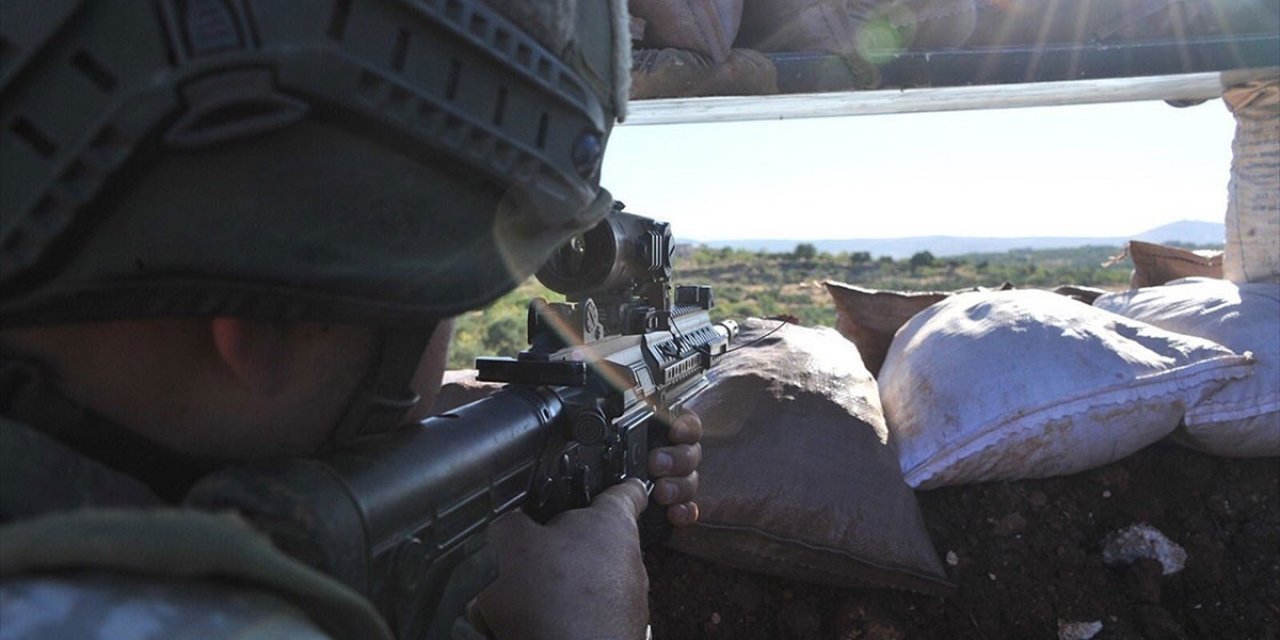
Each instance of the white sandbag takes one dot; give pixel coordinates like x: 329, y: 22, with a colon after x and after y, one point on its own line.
x: 1253, y: 195
x: 1243, y: 417
x: 1005, y: 385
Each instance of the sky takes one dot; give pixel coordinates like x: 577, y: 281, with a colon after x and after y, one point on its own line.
x: 1083, y: 170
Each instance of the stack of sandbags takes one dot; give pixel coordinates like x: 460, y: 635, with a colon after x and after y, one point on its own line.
x: 712, y: 47
x: 685, y: 48
x: 1243, y: 417
x: 1028, y: 384
x: 797, y: 477
x: 1253, y: 198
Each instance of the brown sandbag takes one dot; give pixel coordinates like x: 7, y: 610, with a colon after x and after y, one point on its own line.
x: 679, y: 73
x: 1154, y: 264
x: 797, y: 478
x: 938, y: 24
x: 706, y: 26
x: 800, y: 25
x: 869, y: 318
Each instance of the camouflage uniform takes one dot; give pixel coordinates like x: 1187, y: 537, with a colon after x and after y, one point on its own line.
x: 99, y: 556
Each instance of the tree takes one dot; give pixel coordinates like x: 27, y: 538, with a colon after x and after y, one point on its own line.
x: 922, y: 259
x: 859, y: 258
x: 805, y: 251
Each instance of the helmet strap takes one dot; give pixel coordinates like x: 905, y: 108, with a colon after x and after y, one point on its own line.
x: 384, y: 396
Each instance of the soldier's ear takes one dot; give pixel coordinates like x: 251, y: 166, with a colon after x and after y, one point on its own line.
x: 253, y: 351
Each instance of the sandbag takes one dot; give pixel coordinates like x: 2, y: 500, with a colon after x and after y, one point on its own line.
x: 938, y: 24
x: 1027, y: 384
x: 800, y: 25
x: 1155, y: 264
x: 1253, y: 194
x: 797, y: 479
x: 678, y: 73
x: 1243, y: 417
x: 869, y: 317
x: 705, y: 26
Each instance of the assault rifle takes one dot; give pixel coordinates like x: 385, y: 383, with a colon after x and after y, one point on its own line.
x: 402, y: 518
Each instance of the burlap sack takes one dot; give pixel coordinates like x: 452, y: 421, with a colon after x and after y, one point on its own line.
x: 679, y: 73
x: 797, y: 480
x: 1242, y: 419
x: 1028, y: 384
x: 705, y: 26
x: 869, y: 318
x: 935, y: 24
x: 1155, y: 264
x: 800, y: 25
x: 1253, y: 195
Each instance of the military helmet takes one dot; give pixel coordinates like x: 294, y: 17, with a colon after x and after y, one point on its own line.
x: 343, y: 160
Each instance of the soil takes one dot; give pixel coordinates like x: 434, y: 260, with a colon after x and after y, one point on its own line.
x: 1026, y: 557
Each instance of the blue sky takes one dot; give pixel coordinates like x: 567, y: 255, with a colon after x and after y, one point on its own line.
x: 1084, y: 170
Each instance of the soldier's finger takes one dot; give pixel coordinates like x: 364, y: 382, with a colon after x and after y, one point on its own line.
x: 669, y: 491
x: 683, y: 514
x: 628, y: 497
x: 686, y: 429
x: 677, y: 460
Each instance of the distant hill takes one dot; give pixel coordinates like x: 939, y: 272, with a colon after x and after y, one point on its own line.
x: 1186, y: 231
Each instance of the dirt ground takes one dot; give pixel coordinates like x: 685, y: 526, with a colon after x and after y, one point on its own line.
x: 1027, y: 556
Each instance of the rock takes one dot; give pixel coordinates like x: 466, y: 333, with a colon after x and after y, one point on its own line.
x: 1078, y: 630
x: 1143, y: 541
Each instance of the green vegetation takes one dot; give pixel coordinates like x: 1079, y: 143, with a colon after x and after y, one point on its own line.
x: 750, y: 283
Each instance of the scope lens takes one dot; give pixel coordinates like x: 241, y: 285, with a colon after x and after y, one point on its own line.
x: 567, y: 261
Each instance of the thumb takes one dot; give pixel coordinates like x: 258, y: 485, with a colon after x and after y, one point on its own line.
x: 628, y: 498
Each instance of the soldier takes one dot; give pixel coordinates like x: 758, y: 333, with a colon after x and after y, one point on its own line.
x: 236, y: 231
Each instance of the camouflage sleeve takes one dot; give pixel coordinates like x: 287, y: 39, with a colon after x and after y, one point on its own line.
x: 110, y: 606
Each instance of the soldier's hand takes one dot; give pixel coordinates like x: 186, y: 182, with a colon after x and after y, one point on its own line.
x: 579, y: 576
x: 676, y: 468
